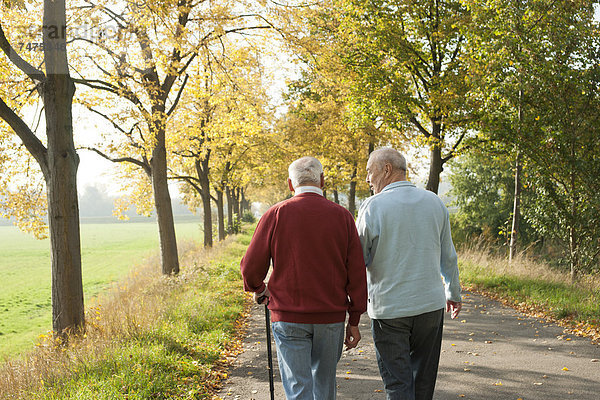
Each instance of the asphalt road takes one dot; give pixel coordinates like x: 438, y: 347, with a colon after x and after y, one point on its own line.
x: 490, y: 352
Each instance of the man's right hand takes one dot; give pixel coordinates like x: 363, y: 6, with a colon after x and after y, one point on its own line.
x: 352, y: 336
x: 262, y: 298
x: 453, y: 307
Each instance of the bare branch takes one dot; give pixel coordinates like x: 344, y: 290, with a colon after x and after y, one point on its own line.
x: 420, y: 127
x: 32, y: 72
x: 190, y: 180
x: 145, y: 166
x: 174, y: 105
x: 454, y: 148
x: 31, y: 142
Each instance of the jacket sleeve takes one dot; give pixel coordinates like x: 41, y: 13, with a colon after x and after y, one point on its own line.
x: 256, y: 261
x: 356, y: 287
x: 449, y: 262
x: 368, y: 243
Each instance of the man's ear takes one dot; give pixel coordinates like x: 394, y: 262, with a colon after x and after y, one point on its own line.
x: 290, y: 185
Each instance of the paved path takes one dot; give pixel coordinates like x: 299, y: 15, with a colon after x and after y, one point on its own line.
x: 490, y: 352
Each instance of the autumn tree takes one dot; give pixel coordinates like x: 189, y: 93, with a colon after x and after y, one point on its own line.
x: 57, y: 158
x: 143, y: 68
x: 408, y: 57
x: 321, y: 119
x: 221, y: 119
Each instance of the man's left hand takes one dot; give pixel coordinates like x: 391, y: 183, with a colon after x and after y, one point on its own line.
x: 453, y: 307
x: 352, y: 336
x: 262, y: 298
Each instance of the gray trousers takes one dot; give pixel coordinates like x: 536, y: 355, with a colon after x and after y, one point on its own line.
x: 408, y: 354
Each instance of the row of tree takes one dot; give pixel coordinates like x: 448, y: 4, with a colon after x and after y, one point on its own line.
x: 185, y: 86
x: 473, y: 82
x: 181, y: 85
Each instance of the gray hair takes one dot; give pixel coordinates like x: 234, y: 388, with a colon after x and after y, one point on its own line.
x: 388, y: 155
x: 305, y: 170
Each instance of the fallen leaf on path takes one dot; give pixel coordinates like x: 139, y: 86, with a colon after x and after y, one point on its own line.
x: 498, y: 383
x: 565, y: 369
x: 595, y: 360
x: 378, y: 390
x: 538, y: 383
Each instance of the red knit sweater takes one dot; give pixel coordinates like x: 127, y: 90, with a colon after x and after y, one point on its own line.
x: 318, y: 272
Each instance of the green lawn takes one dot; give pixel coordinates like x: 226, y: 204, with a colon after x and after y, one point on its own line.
x: 109, y: 251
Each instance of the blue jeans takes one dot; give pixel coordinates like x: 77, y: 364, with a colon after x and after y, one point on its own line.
x: 408, y: 354
x: 308, y: 355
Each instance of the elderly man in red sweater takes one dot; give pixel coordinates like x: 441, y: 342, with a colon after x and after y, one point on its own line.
x: 318, y: 276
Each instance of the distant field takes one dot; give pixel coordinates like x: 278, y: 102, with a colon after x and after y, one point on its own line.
x: 109, y: 251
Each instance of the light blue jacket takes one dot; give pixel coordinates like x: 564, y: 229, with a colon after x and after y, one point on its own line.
x: 407, y: 245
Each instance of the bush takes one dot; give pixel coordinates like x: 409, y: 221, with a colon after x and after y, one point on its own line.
x: 248, y: 217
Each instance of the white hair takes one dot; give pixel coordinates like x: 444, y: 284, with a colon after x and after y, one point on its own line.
x: 388, y: 155
x: 305, y: 171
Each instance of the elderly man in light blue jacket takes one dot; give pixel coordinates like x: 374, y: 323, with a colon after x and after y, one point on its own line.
x: 406, y: 241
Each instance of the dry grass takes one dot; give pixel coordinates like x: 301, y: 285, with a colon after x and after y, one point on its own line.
x: 525, y: 265
x: 126, y: 311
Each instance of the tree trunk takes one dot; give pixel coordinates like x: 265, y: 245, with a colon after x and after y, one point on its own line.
x: 352, y: 198
x: 220, y: 213
x: 435, y: 169
x: 236, y: 204
x: 514, y: 232
x: 336, y: 196
x: 573, y: 254
x: 244, y: 203
x: 61, y: 176
x: 228, y: 193
x: 162, y: 202
x: 516, y: 219
x: 202, y: 171
x: 352, y: 191
x: 573, y: 236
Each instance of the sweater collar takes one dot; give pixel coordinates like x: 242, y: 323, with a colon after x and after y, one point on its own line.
x: 307, y: 189
x: 397, y: 184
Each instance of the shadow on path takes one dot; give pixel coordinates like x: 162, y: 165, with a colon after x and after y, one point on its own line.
x: 490, y: 352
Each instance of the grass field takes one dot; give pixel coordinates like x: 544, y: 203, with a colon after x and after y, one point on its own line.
x: 109, y: 251
x: 153, y: 337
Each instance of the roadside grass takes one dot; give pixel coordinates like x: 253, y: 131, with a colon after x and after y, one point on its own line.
x: 534, y: 288
x: 109, y: 251
x: 151, y: 337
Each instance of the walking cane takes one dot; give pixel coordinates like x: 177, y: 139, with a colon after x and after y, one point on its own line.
x: 269, y: 352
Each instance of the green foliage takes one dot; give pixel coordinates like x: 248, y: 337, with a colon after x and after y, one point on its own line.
x: 248, y: 217
x: 235, y: 226
x: 483, y: 189
x: 536, y: 72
